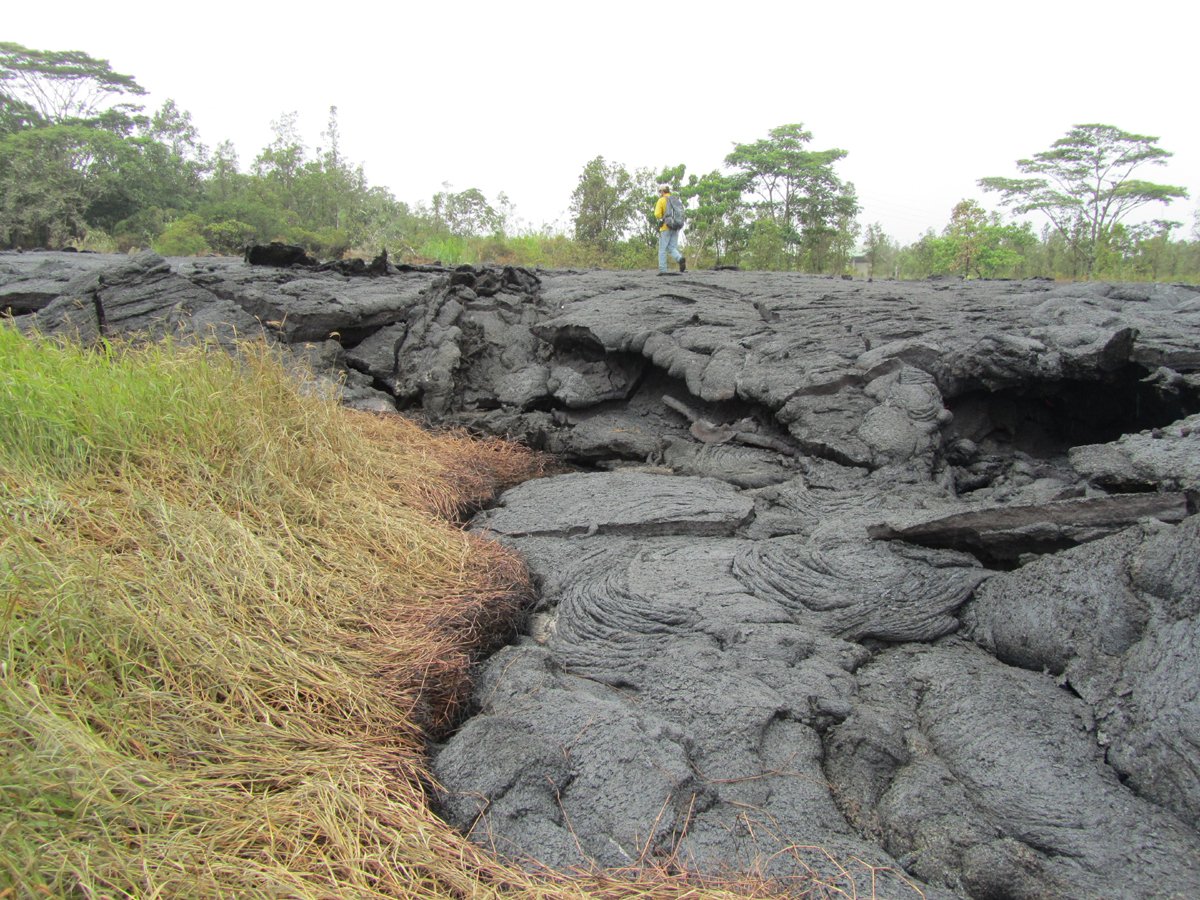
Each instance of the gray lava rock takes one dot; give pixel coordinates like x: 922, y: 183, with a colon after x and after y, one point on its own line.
x: 1009, y: 764
x: 708, y: 699
x: 855, y: 591
x: 1117, y: 620
x: 31, y: 287
x: 615, y: 434
x: 744, y: 467
x: 751, y: 667
x: 620, y: 503
x: 1168, y: 459
x: 143, y: 296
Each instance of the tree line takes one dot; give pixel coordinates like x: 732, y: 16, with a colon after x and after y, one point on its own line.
x: 83, y: 165
x: 780, y: 205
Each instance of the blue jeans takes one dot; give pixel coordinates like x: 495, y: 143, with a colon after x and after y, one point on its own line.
x: 668, y: 242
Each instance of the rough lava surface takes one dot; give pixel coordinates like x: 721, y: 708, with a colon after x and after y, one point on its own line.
x: 883, y: 589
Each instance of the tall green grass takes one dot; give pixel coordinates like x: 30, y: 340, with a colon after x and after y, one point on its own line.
x: 228, y: 611
x: 62, y: 408
x: 450, y: 250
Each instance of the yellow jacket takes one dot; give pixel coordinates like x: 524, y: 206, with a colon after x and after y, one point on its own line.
x: 660, y: 210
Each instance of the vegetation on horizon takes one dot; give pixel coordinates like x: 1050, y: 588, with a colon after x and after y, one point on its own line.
x: 82, y: 165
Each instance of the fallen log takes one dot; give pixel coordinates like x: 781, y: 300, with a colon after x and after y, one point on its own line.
x: 1008, y: 532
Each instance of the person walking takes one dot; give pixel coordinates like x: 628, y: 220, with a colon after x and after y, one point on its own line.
x: 668, y: 238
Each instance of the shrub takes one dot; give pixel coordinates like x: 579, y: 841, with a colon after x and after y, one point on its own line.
x: 139, y: 230
x: 183, y: 237
x: 229, y: 237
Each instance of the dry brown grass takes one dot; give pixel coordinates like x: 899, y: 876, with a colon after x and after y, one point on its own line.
x: 230, y: 614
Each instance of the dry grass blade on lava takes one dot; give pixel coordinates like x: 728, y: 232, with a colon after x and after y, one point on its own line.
x: 230, y: 611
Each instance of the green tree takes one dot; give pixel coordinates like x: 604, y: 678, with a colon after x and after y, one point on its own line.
x: 975, y: 242
x: 925, y: 256
x: 1084, y: 184
x: 52, y: 179
x: 1191, y: 253
x: 228, y: 237
x: 331, y: 185
x: 281, y: 162
x: 828, y: 228
x: 778, y: 168
x: 164, y: 169
x: 605, y: 204
x: 466, y: 213
x: 966, y: 234
x: 70, y: 159
x: 173, y: 128
x: 1020, y: 239
x: 646, y: 225
x: 17, y: 115
x: 387, y: 222
x: 1142, y: 250
x: 223, y: 184
x: 801, y: 194
x: 717, y: 214
x: 879, y: 249
x: 56, y: 87
x: 978, y: 242
x: 313, y: 202
x: 767, y: 246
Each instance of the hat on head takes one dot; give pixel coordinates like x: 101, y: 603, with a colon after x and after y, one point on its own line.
x: 664, y: 187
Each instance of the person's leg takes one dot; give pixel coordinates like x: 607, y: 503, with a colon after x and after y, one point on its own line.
x: 664, y: 238
x: 673, y: 247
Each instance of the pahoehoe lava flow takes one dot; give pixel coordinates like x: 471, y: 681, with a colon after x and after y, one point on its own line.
x: 887, y: 586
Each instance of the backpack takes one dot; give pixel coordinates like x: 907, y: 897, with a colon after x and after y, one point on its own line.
x: 676, y: 213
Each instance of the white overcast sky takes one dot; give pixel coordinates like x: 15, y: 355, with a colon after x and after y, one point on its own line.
x: 516, y: 96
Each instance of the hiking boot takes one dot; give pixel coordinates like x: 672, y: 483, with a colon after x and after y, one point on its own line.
x: 683, y: 264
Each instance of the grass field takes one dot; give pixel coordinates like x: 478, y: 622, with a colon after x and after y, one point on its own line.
x: 231, y: 611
